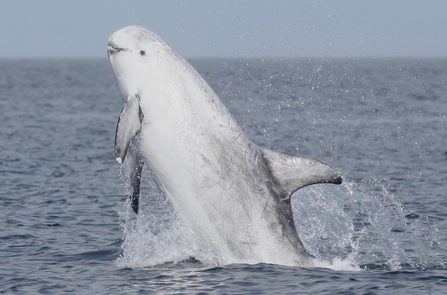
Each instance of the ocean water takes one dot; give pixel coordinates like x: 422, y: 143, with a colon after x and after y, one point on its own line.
x: 66, y: 225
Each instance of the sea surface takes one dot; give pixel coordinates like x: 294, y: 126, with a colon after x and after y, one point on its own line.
x: 65, y: 221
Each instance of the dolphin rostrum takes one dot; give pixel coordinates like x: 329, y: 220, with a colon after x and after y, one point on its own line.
x: 234, y: 195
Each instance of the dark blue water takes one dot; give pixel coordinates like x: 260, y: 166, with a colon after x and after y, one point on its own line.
x: 66, y: 225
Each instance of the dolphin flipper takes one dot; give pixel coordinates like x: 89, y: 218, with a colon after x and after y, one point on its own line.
x: 135, y: 161
x: 129, y: 124
x: 294, y: 172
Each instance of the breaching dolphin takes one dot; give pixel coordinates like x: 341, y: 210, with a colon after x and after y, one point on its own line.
x: 234, y: 195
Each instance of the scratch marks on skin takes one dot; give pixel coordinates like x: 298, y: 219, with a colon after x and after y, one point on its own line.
x: 205, y: 170
x: 234, y: 128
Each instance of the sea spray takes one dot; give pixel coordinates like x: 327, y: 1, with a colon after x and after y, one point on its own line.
x: 157, y: 235
x: 364, y: 224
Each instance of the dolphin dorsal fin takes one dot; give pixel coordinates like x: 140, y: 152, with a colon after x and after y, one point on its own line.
x: 294, y: 172
x: 129, y: 124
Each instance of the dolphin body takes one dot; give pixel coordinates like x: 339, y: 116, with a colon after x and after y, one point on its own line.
x: 234, y: 195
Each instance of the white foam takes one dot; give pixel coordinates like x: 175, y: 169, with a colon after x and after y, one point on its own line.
x: 144, y: 247
x: 347, y: 264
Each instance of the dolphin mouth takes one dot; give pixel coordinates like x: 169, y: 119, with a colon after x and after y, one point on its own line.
x: 112, y: 49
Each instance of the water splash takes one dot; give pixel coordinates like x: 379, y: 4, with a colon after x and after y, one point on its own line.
x: 150, y: 240
x: 157, y: 235
x: 349, y: 227
x: 363, y: 225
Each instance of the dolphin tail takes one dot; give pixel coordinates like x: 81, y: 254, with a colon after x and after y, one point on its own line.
x: 294, y: 172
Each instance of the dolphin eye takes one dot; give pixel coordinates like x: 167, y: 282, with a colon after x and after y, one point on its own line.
x: 142, y: 52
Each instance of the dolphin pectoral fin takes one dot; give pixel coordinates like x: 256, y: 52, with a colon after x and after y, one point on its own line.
x: 129, y: 124
x: 294, y: 172
x: 136, y: 166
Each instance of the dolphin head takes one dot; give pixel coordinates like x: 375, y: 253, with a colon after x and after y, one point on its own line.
x: 133, y: 52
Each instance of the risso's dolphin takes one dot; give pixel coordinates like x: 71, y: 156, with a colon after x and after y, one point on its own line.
x: 233, y: 194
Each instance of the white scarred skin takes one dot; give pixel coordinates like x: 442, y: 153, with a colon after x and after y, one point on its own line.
x: 218, y: 180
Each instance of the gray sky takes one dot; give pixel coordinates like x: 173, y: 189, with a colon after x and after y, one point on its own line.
x: 228, y: 28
